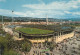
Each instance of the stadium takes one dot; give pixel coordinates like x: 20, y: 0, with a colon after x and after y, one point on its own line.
x: 41, y: 33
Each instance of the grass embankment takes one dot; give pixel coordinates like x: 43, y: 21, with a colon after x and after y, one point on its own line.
x: 34, y: 31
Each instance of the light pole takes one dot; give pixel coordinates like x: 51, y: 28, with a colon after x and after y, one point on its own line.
x: 12, y: 17
x: 47, y: 19
x: 2, y: 22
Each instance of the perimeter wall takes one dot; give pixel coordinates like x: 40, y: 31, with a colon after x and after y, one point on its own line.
x: 62, y: 37
x: 57, y: 38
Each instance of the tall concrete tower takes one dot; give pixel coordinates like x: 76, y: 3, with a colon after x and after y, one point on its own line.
x: 2, y: 22
x: 12, y: 16
x: 47, y: 19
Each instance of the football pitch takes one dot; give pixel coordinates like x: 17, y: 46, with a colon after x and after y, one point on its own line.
x: 34, y: 31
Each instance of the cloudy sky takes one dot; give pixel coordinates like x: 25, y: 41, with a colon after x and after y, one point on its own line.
x: 41, y: 8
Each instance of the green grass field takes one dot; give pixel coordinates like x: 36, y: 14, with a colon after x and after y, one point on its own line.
x: 34, y: 31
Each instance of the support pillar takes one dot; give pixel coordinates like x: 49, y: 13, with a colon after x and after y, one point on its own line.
x: 41, y: 42
x: 47, y: 38
x: 56, y: 37
x: 21, y: 35
x: 61, y: 33
x: 37, y: 42
x: 58, y: 34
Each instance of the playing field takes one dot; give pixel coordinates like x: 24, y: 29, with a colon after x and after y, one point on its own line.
x: 34, y: 31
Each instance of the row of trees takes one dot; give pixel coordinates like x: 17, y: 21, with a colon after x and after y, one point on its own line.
x: 4, y: 41
x: 8, y: 46
x: 21, y: 45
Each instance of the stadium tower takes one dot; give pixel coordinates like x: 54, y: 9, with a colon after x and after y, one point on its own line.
x: 47, y: 19
x: 12, y: 17
x: 2, y: 22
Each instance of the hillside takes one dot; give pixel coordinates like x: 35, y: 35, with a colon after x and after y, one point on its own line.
x: 26, y: 19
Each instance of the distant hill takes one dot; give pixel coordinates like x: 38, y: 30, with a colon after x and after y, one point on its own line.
x: 73, y: 19
x: 26, y: 19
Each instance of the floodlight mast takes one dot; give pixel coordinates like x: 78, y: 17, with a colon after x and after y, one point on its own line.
x: 47, y: 19
x: 2, y: 21
x: 12, y: 16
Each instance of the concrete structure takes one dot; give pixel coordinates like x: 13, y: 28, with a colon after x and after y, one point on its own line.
x: 56, y: 38
x: 47, y: 20
x: 65, y: 36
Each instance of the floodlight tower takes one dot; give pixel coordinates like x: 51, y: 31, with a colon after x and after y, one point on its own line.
x: 12, y: 16
x: 47, y: 19
x: 2, y: 21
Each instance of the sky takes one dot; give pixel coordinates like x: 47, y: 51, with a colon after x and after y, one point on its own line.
x: 41, y: 8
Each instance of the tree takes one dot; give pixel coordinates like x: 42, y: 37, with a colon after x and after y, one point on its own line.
x: 26, y: 47
x: 20, y: 45
x: 10, y: 52
x: 3, y: 44
x: 3, y: 41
